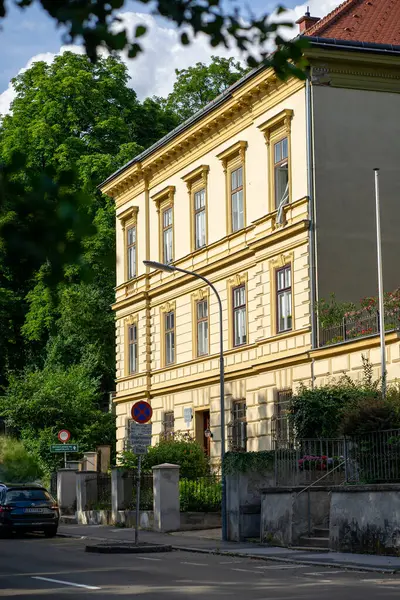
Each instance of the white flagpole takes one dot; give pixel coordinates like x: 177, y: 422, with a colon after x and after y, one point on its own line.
x: 380, y: 283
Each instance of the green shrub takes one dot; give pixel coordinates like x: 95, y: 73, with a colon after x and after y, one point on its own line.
x: 200, y: 495
x: 16, y: 463
x: 180, y: 450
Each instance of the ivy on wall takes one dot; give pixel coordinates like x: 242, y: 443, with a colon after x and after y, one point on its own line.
x: 243, y: 462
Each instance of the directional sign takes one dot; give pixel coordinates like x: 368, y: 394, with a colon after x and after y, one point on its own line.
x: 64, y: 435
x: 64, y: 448
x: 140, y: 437
x: 141, y: 412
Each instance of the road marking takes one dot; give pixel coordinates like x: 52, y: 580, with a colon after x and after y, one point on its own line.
x: 323, y: 573
x: 245, y: 571
x: 147, y: 558
x: 69, y: 583
x: 194, y: 564
x: 231, y: 562
x: 280, y: 567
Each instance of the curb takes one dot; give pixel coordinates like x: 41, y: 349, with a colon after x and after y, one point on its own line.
x: 127, y: 548
x: 345, y: 566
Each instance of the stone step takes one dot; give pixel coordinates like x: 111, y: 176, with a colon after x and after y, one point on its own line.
x: 69, y: 519
x: 321, y: 532
x: 314, y: 542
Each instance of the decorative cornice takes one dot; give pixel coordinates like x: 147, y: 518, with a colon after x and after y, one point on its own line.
x: 165, y: 195
x: 169, y: 306
x: 196, y: 174
x: 282, y: 119
x: 238, y: 149
x: 200, y: 294
x: 238, y: 280
x: 130, y: 214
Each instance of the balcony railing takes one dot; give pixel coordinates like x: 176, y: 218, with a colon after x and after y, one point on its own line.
x: 362, y: 324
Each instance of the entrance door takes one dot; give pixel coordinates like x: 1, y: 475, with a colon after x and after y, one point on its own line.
x: 202, y: 425
x: 206, y: 427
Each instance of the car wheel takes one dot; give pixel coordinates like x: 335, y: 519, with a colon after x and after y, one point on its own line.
x: 50, y: 532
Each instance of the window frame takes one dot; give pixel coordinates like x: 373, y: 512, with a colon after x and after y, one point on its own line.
x: 164, y: 200
x: 277, y: 166
x: 235, y: 309
x: 164, y: 230
x: 279, y: 292
x: 238, y: 420
x: 199, y: 321
x: 232, y: 159
x: 168, y: 424
x: 197, y: 212
x: 128, y: 247
x: 282, y: 400
x: 275, y: 130
x: 129, y: 219
x: 135, y: 343
x: 197, y: 180
x: 233, y: 192
x: 171, y: 331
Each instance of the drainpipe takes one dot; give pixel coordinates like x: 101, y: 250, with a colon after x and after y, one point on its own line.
x: 311, y: 211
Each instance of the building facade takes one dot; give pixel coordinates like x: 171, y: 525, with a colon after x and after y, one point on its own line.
x: 266, y: 193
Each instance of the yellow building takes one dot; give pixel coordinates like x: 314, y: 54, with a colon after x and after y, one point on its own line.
x: 268, y: 192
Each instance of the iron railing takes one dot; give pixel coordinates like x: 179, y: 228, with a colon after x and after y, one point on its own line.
x: 374, y: 457
x: 203, y: 494
x: 146, y: 490
x: 104, y: 491
x: 305, y: 461
x: 53, y: 485
x: 362, y: 324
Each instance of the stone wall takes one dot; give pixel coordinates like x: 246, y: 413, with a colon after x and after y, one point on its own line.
x: 285, y: 513
x: 365, y: 519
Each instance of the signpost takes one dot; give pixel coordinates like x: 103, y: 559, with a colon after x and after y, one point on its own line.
x: 64, y: 436
x: 140, y: 439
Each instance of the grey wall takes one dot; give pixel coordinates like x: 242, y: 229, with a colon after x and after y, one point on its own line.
x: 365, y: 519
x: 355, y: 131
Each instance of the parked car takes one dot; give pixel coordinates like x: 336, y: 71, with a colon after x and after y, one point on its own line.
x: 27, y: 507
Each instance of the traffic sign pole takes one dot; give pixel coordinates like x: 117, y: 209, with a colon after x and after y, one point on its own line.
x: 138, y: 499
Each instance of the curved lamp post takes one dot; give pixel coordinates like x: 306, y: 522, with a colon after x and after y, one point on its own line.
x: 170, y: 269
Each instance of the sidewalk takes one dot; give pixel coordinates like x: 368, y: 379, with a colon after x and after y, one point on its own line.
x: 202, y: 541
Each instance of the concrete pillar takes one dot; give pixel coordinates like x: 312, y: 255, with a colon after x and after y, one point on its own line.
x: 90, y: 461
x: 167, y: 515
x: 86, y: 492
x: 121, y: 492
x: 104, y: 453
x: 66, y: 491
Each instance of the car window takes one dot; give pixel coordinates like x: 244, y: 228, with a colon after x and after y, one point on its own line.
x: 24, y: 495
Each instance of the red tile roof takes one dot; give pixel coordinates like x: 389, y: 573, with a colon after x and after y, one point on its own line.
x: 376, y: 21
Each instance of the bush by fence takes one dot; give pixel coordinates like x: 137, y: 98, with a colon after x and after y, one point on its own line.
x: 200, y: 495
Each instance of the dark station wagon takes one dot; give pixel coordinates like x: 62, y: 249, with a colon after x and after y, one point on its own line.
x: 27, y: 507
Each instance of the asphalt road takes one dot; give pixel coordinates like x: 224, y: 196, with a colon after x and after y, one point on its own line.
x: 33, y: 568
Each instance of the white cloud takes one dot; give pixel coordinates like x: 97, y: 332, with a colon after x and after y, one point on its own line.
x: 153, y: 72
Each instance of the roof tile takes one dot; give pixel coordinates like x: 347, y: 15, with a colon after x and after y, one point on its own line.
x: 375, y: 21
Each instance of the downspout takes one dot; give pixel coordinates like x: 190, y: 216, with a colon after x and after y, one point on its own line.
x: 311, y: 215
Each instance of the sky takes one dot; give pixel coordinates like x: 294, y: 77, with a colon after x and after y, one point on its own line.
x: 30, y: 35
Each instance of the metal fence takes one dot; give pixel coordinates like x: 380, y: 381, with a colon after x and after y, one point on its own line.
x: 374, y: 457
x: 306, y: 461
x: 53, y: 485
x: 146, y: 490
x: 104, y: 491
x: 201, y: 495
x: 360, y: 325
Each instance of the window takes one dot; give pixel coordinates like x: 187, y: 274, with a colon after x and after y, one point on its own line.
x: 132, y: 349
x: 202, y: 327
x: 131, y: 251
x: 200, y: 218
x: 167, y: 235
x: 284, y: 298
x: 169, y: 332
x: 281, y: 173
x: 237, y: 204
x: 234, y: 164
x: 282, y: 432
x: 237, y: 428
x: 239, y: 316
x: 168, y: 425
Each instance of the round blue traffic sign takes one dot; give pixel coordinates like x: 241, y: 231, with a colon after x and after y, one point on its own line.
x: 141, y: 412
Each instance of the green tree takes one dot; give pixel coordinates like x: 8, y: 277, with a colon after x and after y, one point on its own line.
x: 16, y: 463
x: 41, y: 402
x: 197, y: 86
x: 98, y: 24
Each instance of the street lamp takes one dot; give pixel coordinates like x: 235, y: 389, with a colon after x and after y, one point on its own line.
x: 170, y: 269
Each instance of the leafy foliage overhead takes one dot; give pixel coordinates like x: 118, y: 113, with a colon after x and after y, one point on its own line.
x: 98, y: 24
